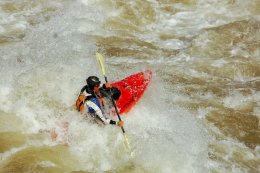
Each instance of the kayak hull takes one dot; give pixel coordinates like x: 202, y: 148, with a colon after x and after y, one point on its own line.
x: 132, y: 88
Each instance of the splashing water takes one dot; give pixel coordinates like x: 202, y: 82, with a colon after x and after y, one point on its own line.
x: 200, y: 113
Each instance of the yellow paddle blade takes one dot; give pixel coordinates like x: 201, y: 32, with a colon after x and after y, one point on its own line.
x: 127, y: 142
x: 101, y: 62
x: 127, y: 146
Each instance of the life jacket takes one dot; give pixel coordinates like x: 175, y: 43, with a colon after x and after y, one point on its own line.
x: 82, y: 98
x: 80, y: 102
x: 97, y: 102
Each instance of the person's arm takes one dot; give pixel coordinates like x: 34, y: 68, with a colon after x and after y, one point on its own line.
x: 106, y: 85
x: 112, y: 92
x: 101, y: 116
x: 83, y: 89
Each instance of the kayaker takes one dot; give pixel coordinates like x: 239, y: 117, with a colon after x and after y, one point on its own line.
x: 91, y: 96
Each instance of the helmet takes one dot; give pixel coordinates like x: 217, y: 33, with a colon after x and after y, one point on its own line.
x: 93, y: 81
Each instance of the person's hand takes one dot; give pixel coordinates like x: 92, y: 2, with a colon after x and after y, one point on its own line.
x: 120, y: 123
x: 107, y: 85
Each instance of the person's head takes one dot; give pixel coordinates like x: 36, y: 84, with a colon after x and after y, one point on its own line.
x: 93, y: 82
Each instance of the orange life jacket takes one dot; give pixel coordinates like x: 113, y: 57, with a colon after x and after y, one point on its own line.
x: 80, y: 102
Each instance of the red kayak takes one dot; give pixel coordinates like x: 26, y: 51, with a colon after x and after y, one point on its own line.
x: 132, y: 88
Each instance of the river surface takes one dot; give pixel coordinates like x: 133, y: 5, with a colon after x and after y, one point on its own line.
x: 200, y: 113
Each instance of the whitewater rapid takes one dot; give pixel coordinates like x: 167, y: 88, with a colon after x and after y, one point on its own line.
x: 47, y: 51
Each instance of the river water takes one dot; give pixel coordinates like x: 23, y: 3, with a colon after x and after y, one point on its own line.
x: 200, y: 113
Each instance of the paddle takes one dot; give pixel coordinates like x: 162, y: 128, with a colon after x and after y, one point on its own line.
x: 101, y: 62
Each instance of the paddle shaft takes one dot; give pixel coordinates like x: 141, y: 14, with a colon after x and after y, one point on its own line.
x: 114, y: 104
x: 101, y: 62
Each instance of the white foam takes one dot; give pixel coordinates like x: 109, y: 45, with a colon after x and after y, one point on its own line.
x: 21, y: 25
x: 56, y: 57
x: 2, y: 29
x: 174, y: 44
x: 4, y: 91
x: 219, y: 63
